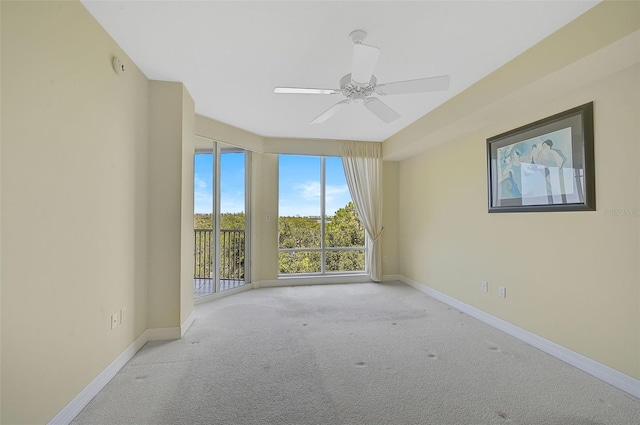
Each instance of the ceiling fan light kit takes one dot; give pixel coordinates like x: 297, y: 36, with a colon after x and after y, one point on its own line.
x: 359, y: 85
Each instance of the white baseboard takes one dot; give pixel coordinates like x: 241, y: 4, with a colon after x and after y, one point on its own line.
x: 71, y: 410
x: 313, y: 280
x: 392, y: 278
x: 605, y: 373
x: 187, y: 324
x: 79, y: 402
x: 163, y: 334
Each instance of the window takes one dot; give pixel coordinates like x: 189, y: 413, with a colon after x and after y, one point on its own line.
x: 318, y: 229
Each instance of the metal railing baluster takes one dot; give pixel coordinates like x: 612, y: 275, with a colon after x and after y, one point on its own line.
x: 231, y: 257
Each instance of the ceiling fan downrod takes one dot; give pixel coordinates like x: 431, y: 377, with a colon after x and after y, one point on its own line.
x: 357, y: 36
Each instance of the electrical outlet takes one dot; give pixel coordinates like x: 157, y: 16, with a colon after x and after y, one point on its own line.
x: 502, y: 292
x: 114, y: 320
x: 485, y: 286
x: 267, y: 218
x: 123, y: 315
x: 385, y: 259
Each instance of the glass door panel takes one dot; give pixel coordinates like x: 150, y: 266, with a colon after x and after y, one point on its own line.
x: 203, y: 207
x: 233, y: 218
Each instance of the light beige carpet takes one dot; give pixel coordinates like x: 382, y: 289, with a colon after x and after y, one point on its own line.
x: 350, y: 354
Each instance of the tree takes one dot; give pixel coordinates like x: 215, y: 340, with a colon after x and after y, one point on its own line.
x: 299, y: 262
x: 299, y: 232
x: 228, y: 221
x: 343, y: 231
x: 345, y: 228
x: 202, y: 221
x: 232, y: 245
x: 232, y: 221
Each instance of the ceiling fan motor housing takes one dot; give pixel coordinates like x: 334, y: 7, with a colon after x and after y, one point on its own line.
x: 352, y: 90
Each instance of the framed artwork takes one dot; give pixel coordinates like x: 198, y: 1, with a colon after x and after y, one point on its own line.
x: 547, y: 165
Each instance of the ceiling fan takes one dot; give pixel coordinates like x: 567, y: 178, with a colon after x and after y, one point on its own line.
x: 360, y: 84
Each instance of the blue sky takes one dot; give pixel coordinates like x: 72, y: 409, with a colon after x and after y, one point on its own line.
x: 202, y: 179
x: 299, y: 186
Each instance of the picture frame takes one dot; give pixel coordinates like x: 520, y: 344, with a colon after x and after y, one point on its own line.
x: 547, y: 165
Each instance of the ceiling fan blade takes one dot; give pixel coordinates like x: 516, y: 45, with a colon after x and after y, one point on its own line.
x: 329, y: 112
x: 364, y: 61
x: 381, y: 110
x: 420, y: 85
x: 298, y: 90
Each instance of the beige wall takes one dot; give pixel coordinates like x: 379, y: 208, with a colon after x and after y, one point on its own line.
x: 0, y: 220
x: 170, y: 215
x: 74, y: 211
x: 221, y: 132
x: 302, y: 146
x: 186, y: 211
x: 390, y: 217
x: 571, y: 277
x: 264, y: 201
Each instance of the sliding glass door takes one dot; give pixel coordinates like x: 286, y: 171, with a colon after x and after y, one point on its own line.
x: 233, y: 223
x: 221, y: 220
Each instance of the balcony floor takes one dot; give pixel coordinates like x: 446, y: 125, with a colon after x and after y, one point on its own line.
x: 203, y: 287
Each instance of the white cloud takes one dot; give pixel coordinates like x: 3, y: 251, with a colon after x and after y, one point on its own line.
x: 309, y: 190
x: 199, y: 183
x: 333, y: 192
x: 202, y: 196
x: 304, y: 200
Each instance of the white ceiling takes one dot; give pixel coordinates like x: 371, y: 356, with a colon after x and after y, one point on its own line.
x: 231, y: 54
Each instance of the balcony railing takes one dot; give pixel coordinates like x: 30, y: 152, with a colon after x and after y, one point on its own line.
x: 232, y: 253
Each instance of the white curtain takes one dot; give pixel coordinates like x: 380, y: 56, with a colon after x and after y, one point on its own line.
x: 362, y: 162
